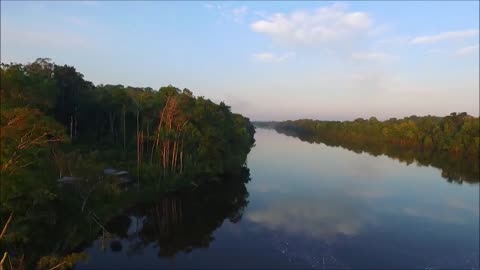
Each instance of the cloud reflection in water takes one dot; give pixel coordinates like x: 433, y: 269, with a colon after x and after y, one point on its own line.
x: 321, y: 218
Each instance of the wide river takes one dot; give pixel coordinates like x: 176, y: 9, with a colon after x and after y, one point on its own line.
x: 306, y: 206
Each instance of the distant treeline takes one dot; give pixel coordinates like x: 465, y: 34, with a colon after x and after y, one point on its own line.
x: 456, y: 133
x: 450, y: 143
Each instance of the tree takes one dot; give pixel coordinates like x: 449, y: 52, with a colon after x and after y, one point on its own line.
x: 24, y: 133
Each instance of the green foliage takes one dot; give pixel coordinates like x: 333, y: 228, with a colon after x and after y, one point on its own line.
x: 28, y: 86
x: 455, y: 133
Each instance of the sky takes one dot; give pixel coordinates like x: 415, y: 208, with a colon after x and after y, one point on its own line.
x: 267, y: 60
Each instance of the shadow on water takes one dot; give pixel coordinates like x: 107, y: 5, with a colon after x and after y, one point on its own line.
x: 455, y: 169
x: 127, y: 222
x: 180, y: 221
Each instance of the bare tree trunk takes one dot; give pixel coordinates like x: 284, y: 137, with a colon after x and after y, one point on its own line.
x: 4, y: 257
x: 142, y: 142
x: 76, y: 125
x: 164, y: 151
x: 159, y: 127
x: 178, y: 134
x: 138, y: 156
x: 148, y: 133
x: 4, y: 230
x: 111, y: 117
x: 181, y: 145
x: 173, y: 155
x: 124, y: 130
x: 181, y: 160
x: 71, y: 127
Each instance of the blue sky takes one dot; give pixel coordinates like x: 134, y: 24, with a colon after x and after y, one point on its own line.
x: 268, y: 60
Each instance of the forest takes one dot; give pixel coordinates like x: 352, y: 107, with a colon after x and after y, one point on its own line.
x: 57, y: 125
x: 49, y: 111
x: 450, y: 143
x: 458, y: 134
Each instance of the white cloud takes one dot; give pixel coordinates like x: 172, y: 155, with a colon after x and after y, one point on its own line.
x: 445, y: 36
x: 268, y: 57
x: 375, y: 56
x: 324, y: 25
x: 239, y: 13
x: 467, y: 50
x: 323, y: 218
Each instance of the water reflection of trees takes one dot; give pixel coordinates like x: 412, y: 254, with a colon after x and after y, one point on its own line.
x: 52, y: 230
x: 455, y: 169
x: 182, y: 221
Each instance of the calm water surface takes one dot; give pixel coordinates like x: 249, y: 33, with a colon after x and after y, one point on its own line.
x: 306, y: 206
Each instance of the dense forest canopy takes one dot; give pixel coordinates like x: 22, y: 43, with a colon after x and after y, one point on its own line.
x: 44, y: 103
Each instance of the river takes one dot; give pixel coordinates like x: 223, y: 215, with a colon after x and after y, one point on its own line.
x: 305, y: 206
